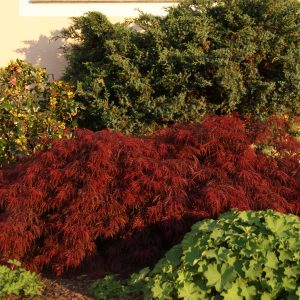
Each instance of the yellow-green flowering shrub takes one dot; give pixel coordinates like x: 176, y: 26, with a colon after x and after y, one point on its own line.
x: 32, y: 109
x: 295, y: 128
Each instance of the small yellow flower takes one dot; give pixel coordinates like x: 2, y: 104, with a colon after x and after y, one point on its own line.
x: 53, y: 102
x: 70, y: 94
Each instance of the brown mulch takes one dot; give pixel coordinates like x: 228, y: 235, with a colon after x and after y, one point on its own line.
x: 62, y: 288
x: 65, y: 289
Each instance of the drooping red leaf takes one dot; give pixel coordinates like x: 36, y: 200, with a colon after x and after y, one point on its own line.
x: 104, y: 193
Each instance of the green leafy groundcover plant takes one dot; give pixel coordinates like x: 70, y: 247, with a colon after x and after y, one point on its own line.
x: 18, y: 281
x: 242, y: 255
x: 235, y: 55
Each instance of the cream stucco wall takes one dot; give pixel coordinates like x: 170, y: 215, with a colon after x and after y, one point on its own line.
x: 26, y: 28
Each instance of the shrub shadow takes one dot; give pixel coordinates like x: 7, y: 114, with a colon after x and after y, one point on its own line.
x: 46, y: 52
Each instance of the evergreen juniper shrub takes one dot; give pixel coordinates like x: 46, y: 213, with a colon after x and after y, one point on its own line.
x: 126, y: 199
x: 235, y: 55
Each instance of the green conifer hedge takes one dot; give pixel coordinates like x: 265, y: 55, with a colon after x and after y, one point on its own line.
x: 233, y: 55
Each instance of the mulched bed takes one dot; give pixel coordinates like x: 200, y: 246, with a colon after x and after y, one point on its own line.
x: 65, y: 289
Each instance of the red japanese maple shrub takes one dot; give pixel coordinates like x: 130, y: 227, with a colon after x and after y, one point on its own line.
x: 106, y: 189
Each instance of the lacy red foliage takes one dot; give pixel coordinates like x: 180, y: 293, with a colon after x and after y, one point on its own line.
x: 62, y: 205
